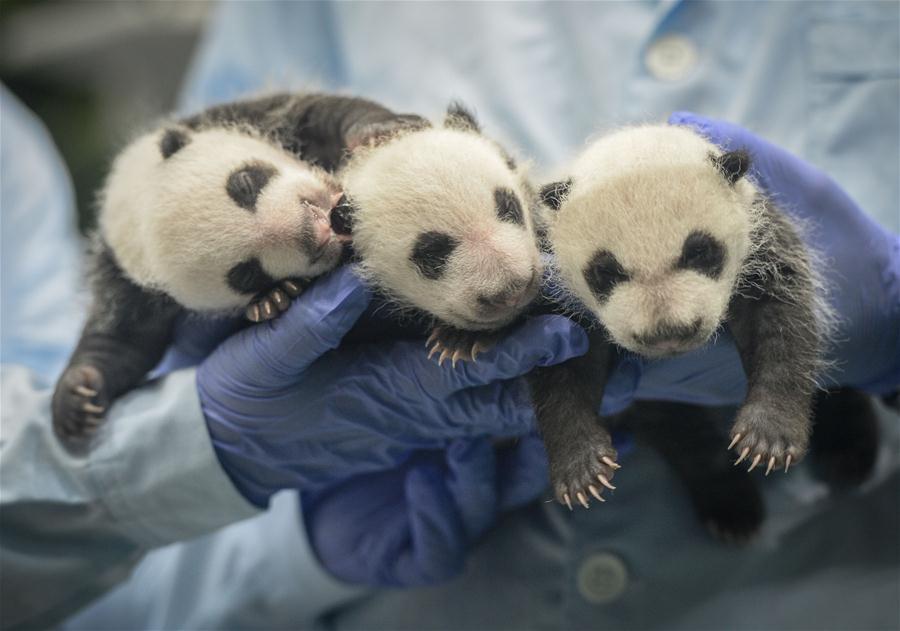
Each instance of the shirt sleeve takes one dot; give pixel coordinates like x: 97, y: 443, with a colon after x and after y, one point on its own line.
x: 75, y: 524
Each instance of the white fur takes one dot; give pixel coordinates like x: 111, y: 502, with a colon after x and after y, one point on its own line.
x: 639, y: 192
x: 440, y: 180
x: 174, y: 228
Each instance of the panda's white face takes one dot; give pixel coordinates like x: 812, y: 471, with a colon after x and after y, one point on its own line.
x: 652, y: 236
x: 214, y: 217
x: 443, y: 222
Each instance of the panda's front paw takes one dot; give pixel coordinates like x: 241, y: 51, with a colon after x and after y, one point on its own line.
x: 271, y: 304
x: 583, y: 468
x: 458, y: 345
x: 79, y: 402
x: 764, y: 435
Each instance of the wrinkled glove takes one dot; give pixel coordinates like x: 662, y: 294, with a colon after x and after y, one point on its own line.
x: 412, y: 526
x: 286, y: 410
x: 862, y: 271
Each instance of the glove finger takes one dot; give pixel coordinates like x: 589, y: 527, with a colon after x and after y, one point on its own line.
x: 195, y: 337
x: 541, y: 341
x: 472, y: 483
x: 313, y: 325
x: 500, y: 410
x: 437, y: 542
x: 522, y: 471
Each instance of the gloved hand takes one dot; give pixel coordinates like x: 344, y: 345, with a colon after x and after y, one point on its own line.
x: 862, y: 270
x: 411, y: 526
x: 286, y: 410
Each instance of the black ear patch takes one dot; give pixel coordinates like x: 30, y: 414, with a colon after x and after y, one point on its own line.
x: 342, y: 216
x: 245, y: 184
x: 249, y: 277
x: 461, y: 118
x: 508, y: 206
x: 702, y: 253
x: 733, y: 164
x: 172, y: 140
x: 431, y: 252
x: 602, y: 273
x: 555, y: 193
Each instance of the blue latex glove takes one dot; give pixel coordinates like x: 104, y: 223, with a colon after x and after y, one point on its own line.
x: 863, y: 273
x: 285, y: 410
x: 412, y: 526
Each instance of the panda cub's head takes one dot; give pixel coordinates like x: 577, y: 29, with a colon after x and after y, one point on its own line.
x: 214, y: 217
x: 651, y: 231
x: 443, y: 222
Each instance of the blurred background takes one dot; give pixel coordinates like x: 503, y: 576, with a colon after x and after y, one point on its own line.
x: 97, y: 71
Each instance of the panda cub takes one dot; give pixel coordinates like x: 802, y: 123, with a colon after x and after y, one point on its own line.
x: 662, y: 238
x: 214, y: 220
x: 468, y: 256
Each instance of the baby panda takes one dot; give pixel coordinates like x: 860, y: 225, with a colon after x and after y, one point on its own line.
x: 214, y: 220
x: 443, y: 223
x: 662, y: 239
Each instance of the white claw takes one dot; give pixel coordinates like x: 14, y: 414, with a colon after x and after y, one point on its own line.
x: 582, y: 498
x: 744, y: 454
x: 595, y: 493
x: 432, y: 337
x: 252, y: 313
x: 567, y: 500
x: 734, y: 441
x: 771, y: 465
x: 457, y: 355
x: 85, y: 391
x: 787, y: 463
x: 755, y: 462
x: 93, y: 421
x: 444, y: 355
x: 610, y: 462
x: 90, y: 408
x: 434, y: 349
x: 267, y: 308
x: 605, y: 482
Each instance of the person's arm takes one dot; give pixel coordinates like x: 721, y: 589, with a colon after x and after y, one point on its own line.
x: 74, y: 525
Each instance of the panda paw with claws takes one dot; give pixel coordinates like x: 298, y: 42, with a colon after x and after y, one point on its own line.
x: 79, y: 403
x: 271, y: 304
x: 761, y: 437
x: 458, y: 345
x: 584, y: 470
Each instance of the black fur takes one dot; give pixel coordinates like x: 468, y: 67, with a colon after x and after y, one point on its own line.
x: 702, y: 253
x: 844, y: 443
x: 245, y: 184
x: 733, y: 164
x: 249, y: 277
x: 171, y: 141
x: 602, y: 273
x: 460, y: 117
x: 555, y: 193
x: 127, y: 331
x: 431, y: 252
x: 318, y: 128
x: 508, y: 206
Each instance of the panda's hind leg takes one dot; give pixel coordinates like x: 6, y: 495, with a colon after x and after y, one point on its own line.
x: 270, y: 304
x: 446, y: 342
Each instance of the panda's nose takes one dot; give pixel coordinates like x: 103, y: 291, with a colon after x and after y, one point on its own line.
x: 514, y: 296
x: 670, y: 336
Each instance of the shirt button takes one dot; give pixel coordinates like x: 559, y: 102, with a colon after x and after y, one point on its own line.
x: 602, y: 578
x: 671, y: 57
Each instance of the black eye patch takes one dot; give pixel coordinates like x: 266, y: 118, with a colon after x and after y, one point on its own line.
x: 602, y: 273
x: 508, y: 207
x: 249, y: 277
x: 245, y: 184
x: 171, y: 141
x: 431, y: 252
x: 702, y: 253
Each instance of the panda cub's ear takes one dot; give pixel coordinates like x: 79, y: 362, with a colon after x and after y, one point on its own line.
x: 733, y: 164
x: 373, y: 134
x: 555, y: 193
x: 461, y: 118
x: 172, y: 140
